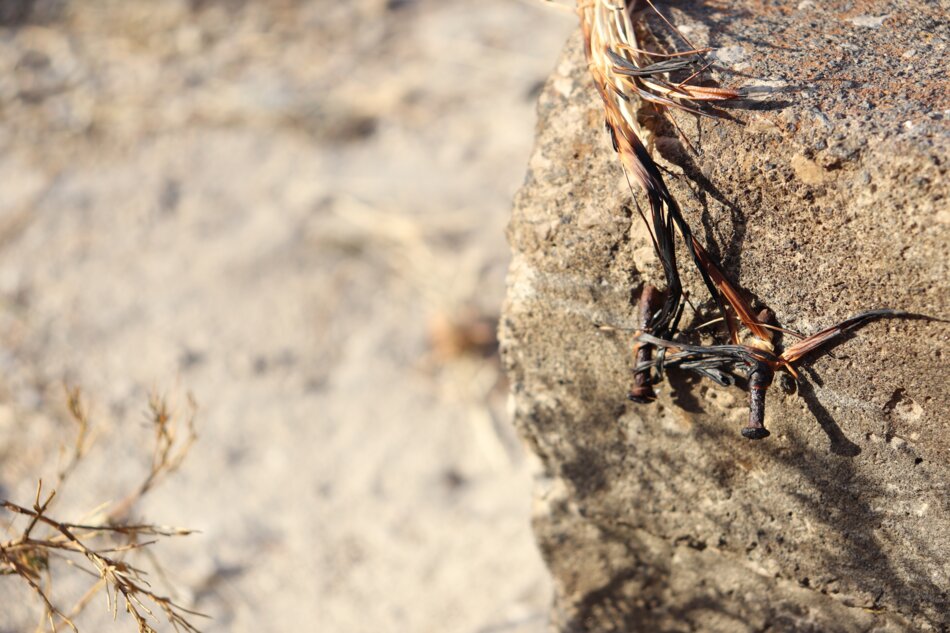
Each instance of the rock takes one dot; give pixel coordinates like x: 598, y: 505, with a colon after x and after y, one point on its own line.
x: 822, y: 201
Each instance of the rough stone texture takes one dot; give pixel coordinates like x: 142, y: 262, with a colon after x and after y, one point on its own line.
x: 823, y: 201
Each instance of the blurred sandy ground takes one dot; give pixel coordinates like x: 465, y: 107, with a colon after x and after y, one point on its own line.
x: 294, y: 210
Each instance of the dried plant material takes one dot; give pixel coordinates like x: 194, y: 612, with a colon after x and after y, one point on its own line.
x: 100, y: 548
x: 467, y: 332
x: 80, y: 415
x: 610, y: 46
x: 624, y: 74
x: 620, y: 62
x: 172, y: 443
x: 756, y: 357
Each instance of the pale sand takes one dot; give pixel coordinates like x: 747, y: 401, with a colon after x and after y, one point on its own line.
x: 268, y: 207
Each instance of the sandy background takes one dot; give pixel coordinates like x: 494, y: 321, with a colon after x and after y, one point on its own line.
x: 294, y: 210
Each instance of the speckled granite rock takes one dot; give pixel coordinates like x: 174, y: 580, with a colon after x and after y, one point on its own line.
x: 827, y: 199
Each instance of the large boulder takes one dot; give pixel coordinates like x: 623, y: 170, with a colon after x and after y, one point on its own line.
x: 825, y: 199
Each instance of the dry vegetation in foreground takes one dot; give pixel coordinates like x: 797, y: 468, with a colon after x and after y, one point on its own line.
x: 35, y: 542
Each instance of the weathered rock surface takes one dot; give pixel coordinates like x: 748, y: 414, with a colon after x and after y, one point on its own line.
x: 825, y: 200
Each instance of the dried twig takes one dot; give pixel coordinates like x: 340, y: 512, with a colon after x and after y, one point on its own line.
x: 100, y: 548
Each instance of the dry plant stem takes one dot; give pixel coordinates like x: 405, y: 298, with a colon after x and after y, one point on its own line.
x: 122, y: 577
x: 759, y: 381
x: 14, y: 565
x: 81, y: 416
x: 642, y: 390
x: 43, y: 538
x: 760, y: 362
x: 169, y: 451
x: 609, y: 36
x: 760, y: 378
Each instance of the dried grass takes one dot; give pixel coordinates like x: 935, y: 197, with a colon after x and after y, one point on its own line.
x: 99, y: 548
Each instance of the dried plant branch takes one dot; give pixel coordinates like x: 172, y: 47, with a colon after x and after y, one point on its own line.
x: 100, y: 548
x: 169, y: 452
x: 80, y: 415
